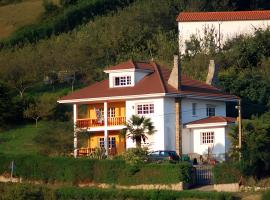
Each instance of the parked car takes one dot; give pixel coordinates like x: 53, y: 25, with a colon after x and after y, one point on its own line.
x: 163, y: 155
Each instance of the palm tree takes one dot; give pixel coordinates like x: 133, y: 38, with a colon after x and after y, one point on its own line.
x: 137, y: 127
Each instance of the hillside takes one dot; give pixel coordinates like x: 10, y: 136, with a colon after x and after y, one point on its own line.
x: 14, y: 16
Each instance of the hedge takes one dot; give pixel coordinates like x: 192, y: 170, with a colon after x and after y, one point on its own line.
x: 73, y: 171
x: 227, y: 173
x: 65, y: 21
x: 33, y: 192
x: 266, y: 195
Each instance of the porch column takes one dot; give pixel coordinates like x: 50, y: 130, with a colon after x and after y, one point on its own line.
x: 106, y: 127
x: 75, y: 141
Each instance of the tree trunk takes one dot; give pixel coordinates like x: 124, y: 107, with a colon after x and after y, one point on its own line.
x: 36, y: 122
x: 138, y: 142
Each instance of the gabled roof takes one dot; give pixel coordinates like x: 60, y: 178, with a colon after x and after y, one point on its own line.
x: 223, y: 16
x: 130, y: 64
x: 156, y: 82
x: 214, y: 119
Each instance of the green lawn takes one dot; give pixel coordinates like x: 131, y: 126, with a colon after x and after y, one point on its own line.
x: 20, y: 139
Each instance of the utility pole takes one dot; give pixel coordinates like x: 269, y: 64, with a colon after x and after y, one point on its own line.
x: 239, y: 127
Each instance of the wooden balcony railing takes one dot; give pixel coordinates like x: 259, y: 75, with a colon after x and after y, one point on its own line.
x: 84, y: 151
x: 112, y: 121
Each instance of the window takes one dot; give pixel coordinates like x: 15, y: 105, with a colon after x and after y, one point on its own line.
x: 122, y: 80
x: 207, y: 137
x: 210, y: 110
x: 112, y: 142
x: 101, y: 142
x: 194, y: 109
x: 143, y: 109
x: 100, y: 112
x: 111, y: 112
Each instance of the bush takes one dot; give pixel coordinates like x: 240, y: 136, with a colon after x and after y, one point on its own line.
x: 135, y: 155
x: 73, y: 171
x: 266, y: 195
x: 227, y: 173
x: 33, y: 192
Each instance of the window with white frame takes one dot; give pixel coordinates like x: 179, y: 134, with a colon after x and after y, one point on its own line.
x: 112, y: 143
x: 144, y: 109
x: 207, y: 137
x: 100, y: 112
x: 111, y: 112
x: 122, y: 80
x: 194, y: 109
x: 101, y: 142
x: 210, y: 110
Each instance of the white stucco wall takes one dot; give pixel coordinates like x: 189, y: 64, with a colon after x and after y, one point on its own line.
x: 219, y: 141
x: 187, y: 116
x: 226, y: 29
x: 169, y: 124
x: 156, y: 141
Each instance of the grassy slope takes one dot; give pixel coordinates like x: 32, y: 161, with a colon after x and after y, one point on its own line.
x: 20, y: 140
x: 17, y: 15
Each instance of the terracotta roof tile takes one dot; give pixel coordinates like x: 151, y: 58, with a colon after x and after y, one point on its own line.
x: 130, y: 64
x: 224, y: 16
x: 214, y: 119
x: 155, y: 82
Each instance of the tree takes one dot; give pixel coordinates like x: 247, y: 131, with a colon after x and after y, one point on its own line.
x: 43, y: 107
x: 137, y: 128
x: 255, y: 146
x: 56, y: 138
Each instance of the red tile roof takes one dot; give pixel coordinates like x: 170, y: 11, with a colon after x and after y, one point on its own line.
x: 155, y: 82
x: 214, y: 119
x: 130, y: 64
x: 223, y: 16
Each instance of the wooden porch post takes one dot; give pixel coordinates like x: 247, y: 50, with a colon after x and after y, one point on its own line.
x: 106, y: 127
x: 75, y: 141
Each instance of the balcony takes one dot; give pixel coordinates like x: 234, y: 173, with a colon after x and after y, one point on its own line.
x: 90, y: 123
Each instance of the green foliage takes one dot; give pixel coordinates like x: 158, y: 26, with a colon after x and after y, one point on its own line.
x: 255, y: 146
x: 34, y: 192
x: 65, y: 21
x: 56, y: 138
x: 6, y: 2
x: 227, y: 173
x: 10, y: 107
x: 137, y: 128
x: 110, y: 194
x: 266, y: 195
x: 135, y: 155
x: 73, y: 171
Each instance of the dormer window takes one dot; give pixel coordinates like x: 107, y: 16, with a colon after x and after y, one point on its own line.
x: 122, y: 81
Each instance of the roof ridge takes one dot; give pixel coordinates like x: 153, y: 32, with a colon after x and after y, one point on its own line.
x: 224, y: 16
x: 160, y: 77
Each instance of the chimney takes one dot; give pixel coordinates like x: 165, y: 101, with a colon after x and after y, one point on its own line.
x: 212, y: 76
x: 175, y: 76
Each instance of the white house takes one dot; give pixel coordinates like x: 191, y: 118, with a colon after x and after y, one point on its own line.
x: 189, y: 116
x: 225, y: 24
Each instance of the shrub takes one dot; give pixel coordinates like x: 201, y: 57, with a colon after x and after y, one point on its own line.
x: 266, y: 195
x: 135, y: 155
x: 31, y: 192
x: 227, y: 173
x: 73, y: 171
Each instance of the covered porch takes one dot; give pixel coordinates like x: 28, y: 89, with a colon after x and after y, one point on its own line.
x: 103, y: 122
x: 95, y: 141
